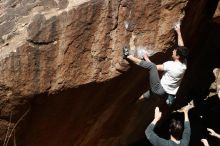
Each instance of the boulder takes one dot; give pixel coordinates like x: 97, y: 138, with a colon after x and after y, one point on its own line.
x: 63, y: 79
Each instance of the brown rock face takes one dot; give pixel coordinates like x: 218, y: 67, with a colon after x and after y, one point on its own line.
x: 63, y: 80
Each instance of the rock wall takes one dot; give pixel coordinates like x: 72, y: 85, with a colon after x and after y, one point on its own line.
x: 61, y: 62
x: 67, y: 44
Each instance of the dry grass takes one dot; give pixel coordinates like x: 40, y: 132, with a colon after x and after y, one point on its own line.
x: 10, y: 132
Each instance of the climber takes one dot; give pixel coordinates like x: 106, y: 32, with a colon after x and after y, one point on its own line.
x: 175, y: 128
x: 173, y: 71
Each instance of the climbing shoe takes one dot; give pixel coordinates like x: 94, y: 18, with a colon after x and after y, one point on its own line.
x: 125, y: 52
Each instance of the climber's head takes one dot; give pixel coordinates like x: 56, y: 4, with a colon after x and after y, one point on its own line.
x: 176, y: 129
x: 180, y: 53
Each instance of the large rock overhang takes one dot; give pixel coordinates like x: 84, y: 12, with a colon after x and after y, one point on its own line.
x: 61, y: 62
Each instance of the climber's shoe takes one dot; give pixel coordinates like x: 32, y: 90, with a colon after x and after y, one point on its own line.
x: 125, y: 52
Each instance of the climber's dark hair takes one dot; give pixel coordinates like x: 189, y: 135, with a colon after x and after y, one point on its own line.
x: 182, y: 52
x: 176, y: 129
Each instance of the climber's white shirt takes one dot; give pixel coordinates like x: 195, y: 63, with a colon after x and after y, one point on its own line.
x: 173, y: 74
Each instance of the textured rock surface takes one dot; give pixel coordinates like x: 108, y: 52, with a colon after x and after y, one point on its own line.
x: 62, y: 61
x: 67, y: 41
x: 215, y: 86
x: 217, y: 12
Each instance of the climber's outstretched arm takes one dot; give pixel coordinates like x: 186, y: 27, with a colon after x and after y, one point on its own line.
x: 160, y: 67
x: 179, y: 35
